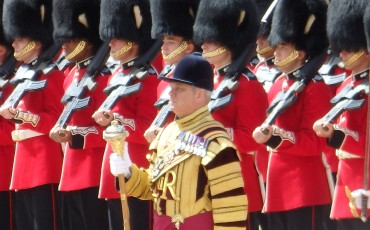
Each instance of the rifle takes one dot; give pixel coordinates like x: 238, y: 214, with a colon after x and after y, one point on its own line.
x: 286, y: 98
x: 222, y: 95
x: 326, y: 70
x: 123, y: 85
x: 72, y: 99
x: 348, y: 101
x: 62, y: 62
x: 26, y: 77
x: 162, y: 102
x: 6, y: 71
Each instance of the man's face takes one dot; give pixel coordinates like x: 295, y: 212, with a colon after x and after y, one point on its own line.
x: 219, y: 60
x: 115, y: 46
x: 263, y: 44
x: 170, y: 44
x: 283, y: 51
x: 182, y: 97
x: 19, y: 44
x: 3, y: 53
x: 357, y: 65
x: 69, y: 46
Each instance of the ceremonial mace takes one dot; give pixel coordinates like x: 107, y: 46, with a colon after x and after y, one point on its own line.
x: 116, y: 134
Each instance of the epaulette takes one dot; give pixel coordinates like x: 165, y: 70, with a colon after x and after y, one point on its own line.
x: 151, y: 70
x: 106, y: 71
x: 255, y: 60
x: 216, y: 146
x: 247, y: 73
x: 318, y: 78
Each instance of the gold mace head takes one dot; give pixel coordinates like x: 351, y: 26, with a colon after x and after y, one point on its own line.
x: 115, y: 134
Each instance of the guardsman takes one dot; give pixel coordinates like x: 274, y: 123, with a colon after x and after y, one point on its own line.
x: 347, y: 133
x: 8, y: 64
x: 126, y: 25
x: 173, y: 21
x: 216, y: 22
x: 77, y: 29
x: 297, y: 195
x: 266, y: 72
x: 38, y: 159
x: 194, y: 177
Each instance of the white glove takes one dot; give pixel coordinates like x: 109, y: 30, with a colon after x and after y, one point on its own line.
x: 121, y: 165
x: 357, y: 196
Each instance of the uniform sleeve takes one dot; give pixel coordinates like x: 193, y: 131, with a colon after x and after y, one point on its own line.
x: 139, y: 114
x: 138, y: 185
x: 229, y: 202
x: 303, y: 141
x: 52, y: 107
x: 250, y: 113
x: 6, y: 126
x: 350, y: 132
x: 88, y: 134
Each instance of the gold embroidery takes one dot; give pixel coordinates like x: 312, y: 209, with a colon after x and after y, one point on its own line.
x: 176, y: 52
x: 294, y: 55
x: 215, y: 52
x: 30, y: 46
x: 123, y: 50
x: 169, y: 183
x: 81, y: 45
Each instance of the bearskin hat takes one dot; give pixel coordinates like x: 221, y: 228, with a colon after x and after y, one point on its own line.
x: 28, y: 18
x: 76, y: 19
x: 126, y: 19
x: 266, y: 19
x: 345, y: 27
x: 3, y: 41
x: 173, y: 17
x: 302, y: 23
x: 232, y: 23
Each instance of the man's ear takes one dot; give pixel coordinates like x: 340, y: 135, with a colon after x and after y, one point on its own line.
x: 38, y: 45
x: 190, y: 48
x: 301, y: 55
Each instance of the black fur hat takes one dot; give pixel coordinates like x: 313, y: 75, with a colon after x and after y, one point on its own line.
x: 173, y: 17
x: 232, y: 23
x: 126, y: 19
x: 367, y: 26
x: 28, y: 18
x: 346, y: 25
x: 76, y: 19
x: 302, y: 23
x: 3, y: 41
x: 266, y: 18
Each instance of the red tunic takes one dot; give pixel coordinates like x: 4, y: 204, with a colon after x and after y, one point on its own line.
x: 138, y: 112
x: 38, y: 160
x: 7, y: 145
x: 83, y: 157
x: 296, y: 175
x: 243, y: 114
x: 351, y: 170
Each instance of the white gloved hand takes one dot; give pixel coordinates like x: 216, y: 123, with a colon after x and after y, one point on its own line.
x: 357, y: 196
x: 121, y: 165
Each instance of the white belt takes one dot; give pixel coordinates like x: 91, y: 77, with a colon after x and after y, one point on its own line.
x: 20, y: 135
x: 341, y: 154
